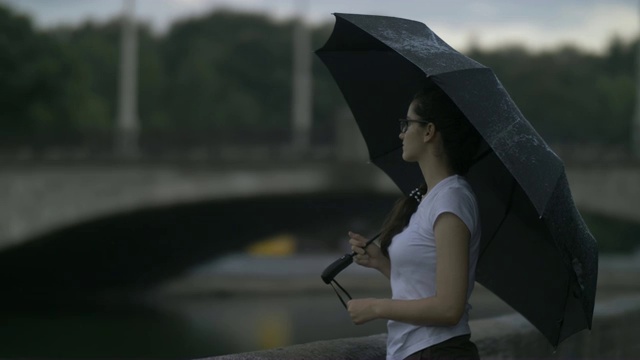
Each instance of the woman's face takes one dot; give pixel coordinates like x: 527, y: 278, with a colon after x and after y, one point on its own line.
x: 413, y: 139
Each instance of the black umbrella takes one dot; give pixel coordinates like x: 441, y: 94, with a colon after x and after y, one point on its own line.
x: 536, y: 252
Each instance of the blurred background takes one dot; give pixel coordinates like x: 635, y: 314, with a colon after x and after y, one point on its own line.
x: 176, y: 174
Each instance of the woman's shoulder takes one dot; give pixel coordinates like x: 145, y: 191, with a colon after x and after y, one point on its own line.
x: 455, y: 191
x: 455, y: 184
x: 459, y: 199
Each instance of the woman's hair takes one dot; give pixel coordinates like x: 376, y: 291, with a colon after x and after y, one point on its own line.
x: 460, y: 142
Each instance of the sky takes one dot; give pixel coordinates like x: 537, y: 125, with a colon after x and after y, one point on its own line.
x: 535, y: 24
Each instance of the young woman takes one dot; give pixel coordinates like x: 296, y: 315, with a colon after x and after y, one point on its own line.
x: 430, y: 240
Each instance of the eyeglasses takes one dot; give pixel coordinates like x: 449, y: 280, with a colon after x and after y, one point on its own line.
x: 404, y: 124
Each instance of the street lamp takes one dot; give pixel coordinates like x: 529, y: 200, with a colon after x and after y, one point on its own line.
x: 635, y: 126
x: 126, y: 136
x: 301, y: 106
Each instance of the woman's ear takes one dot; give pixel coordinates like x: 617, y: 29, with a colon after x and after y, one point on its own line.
x: 429, y: 132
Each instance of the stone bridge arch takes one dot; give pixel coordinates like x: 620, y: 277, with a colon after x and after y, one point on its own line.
x: 137, y: 246
x: 83, y: 227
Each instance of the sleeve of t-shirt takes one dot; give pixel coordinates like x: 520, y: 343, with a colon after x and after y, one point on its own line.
x: 458, y: 201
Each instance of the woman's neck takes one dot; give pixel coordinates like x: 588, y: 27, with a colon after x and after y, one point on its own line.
x: 434, y: 170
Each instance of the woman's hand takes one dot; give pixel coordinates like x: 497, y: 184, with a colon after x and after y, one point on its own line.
x: 371, y: 256
x: 363, y: 310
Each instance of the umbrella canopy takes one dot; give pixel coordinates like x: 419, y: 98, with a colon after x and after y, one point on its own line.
x: 536, y: 252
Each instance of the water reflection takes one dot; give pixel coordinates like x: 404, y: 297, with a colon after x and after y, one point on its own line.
x: 237, y: 304
x: 99, y: 329
x: 263, y: 322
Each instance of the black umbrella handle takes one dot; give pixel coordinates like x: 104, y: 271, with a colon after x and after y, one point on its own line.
x: 337, y: 266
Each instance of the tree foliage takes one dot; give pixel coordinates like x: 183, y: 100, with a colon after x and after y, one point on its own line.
x: 229, y: 72
x: 44, y: 89
x: 569, y: 95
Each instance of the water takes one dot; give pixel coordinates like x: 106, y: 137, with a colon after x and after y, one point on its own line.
x: 237, y: 304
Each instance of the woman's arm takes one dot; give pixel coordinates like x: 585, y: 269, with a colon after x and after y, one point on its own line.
x: 452, y: 279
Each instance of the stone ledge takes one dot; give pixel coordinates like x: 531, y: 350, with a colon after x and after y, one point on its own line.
x: 359, y: 348
x: 613, y: 336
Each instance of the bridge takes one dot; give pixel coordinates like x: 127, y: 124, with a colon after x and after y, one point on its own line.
x: 154, y: 219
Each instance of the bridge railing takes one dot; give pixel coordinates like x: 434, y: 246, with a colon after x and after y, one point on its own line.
x: 504, y: 337
x: 244, y: 144
x: 210, y: 145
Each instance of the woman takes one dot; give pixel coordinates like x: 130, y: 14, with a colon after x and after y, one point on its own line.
x: 430, y: 240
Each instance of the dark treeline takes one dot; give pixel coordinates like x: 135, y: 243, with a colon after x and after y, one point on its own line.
x: 226, y: 76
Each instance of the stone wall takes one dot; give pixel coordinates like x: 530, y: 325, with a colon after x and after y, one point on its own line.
x: 614, y: 336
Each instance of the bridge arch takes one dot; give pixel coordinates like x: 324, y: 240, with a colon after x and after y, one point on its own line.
x: 71, y: 227
x: 136, y: 249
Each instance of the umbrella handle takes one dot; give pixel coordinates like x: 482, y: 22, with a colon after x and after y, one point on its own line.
x: 334, y: 269
x: 337, y: 266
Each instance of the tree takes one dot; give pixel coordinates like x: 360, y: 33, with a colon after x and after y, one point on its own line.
x: 47, y: 98
x: 226, y: 77
x: 228, y: 70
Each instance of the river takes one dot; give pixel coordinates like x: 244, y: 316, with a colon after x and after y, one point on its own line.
x: 236, y: 304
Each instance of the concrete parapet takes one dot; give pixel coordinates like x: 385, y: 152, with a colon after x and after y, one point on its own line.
x: 615, y: 326
x: 359, y: 348
x: 614, y: 336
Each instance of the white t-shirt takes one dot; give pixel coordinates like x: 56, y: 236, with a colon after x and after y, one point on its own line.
x: 413, y: 264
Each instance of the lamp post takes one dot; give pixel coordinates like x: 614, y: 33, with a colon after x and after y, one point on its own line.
x: 127, y: 127
x: 635, y: 125
x: 301, y: 105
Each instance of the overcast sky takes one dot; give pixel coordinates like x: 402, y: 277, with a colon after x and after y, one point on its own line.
x: 537, y: 24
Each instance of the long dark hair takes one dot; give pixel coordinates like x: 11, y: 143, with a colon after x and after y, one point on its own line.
x: 460, y: 142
